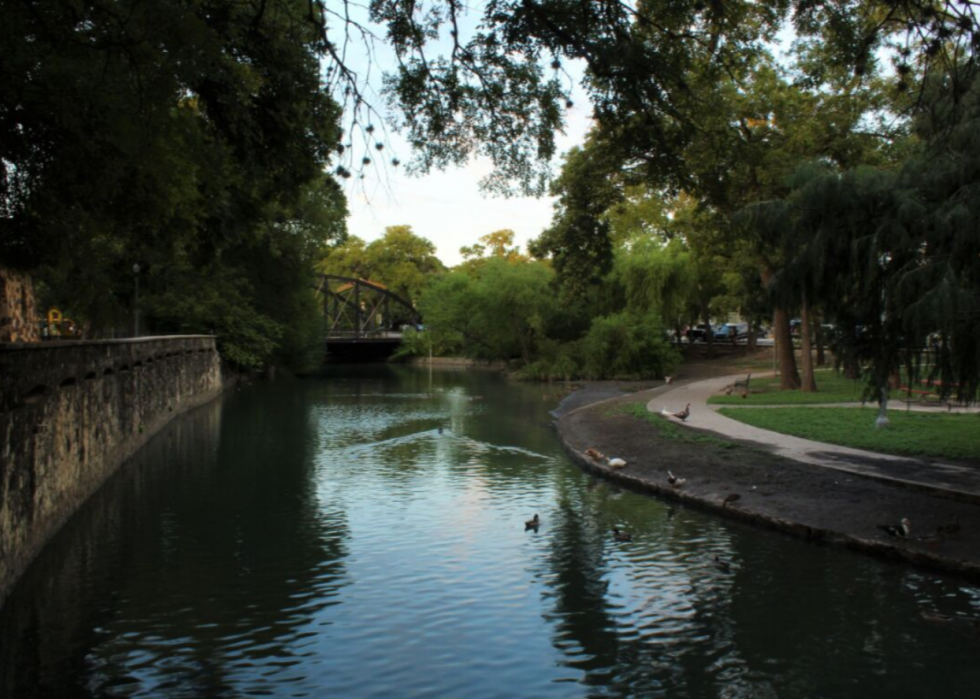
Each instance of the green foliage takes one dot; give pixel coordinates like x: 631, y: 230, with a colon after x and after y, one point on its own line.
x: 628, y: 346
x: 578, y: 239
x: 912, y: 434
x: 403, y: 262
x: 190, y: 139
x: 222, y: 304
x: 498, y: 314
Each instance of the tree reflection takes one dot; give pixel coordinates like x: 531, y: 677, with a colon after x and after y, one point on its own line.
x: 195, y: 569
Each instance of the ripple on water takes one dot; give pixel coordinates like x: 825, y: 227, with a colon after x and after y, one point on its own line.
x: 370, y: 555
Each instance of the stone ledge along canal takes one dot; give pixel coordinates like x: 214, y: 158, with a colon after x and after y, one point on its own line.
x: 324, y: 538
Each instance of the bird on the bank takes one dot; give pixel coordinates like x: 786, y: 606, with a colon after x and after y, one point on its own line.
x: 616, y: 463
x: 668, y: 379
x: 622, y: 536
x: 723, y: 565
x: 532, y: 523
x: 674, y: 480
x: 594, y: 454
x: 682, y: 415
x: 900, y: 532
x: 729, y: 499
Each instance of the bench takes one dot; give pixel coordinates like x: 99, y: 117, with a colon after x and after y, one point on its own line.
x: 739, y: 385
x: 921, y: 396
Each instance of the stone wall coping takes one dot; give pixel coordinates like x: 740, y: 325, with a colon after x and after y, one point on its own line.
x: 64, y: 344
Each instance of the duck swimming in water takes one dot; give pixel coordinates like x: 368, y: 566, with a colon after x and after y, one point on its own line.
x: 622, y: 536
x: 532, y: 523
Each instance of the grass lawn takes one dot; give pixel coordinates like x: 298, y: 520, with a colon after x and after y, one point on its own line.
x: 669, y: 430
x: 831, y: 388
x: 910, y: 434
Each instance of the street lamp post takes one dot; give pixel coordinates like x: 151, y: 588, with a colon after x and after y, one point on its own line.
x: 136, y: 301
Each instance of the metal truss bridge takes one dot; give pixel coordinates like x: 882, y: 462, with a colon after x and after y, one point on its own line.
x: 364, y: 319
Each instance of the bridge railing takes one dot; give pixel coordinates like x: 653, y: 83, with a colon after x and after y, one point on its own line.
x: 364, y: 335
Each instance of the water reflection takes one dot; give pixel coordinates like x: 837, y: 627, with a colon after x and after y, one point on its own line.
x: 362, y: 535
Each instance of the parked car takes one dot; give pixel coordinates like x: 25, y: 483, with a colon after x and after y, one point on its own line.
x: 728, y: 331
x: 698, y: 333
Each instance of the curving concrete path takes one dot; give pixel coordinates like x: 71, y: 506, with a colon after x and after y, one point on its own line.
x: 928, y: 475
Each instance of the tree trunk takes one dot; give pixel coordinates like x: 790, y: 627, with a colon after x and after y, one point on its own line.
x: 789, y: 377
x: 753, y: 341
x: 809, y: 384
x: 851, y: 369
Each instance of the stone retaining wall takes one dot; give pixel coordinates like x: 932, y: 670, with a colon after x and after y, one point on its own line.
x: 17, y: 311
x: 71, y: 413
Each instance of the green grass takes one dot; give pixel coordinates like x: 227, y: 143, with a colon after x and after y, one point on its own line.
x: 909, y: 434
x: 671, y: 430
x: 831, y: 388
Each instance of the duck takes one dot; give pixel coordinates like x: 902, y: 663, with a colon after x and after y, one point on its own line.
x: 532, y: 523
x: 729, y: 499
x: 616, y: 462
x: 674, y: 480
x: 722, y: 565
x: 684, y: 414
x: 595, y: 454
x: 622, y: 536
x: 901, y: 531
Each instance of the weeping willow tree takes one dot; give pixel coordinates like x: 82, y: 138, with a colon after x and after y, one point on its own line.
x: 893, y: 255
x: 939, y: 290
x: 660, y: 278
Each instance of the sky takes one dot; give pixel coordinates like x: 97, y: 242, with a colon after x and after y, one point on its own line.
x: 448, y: 207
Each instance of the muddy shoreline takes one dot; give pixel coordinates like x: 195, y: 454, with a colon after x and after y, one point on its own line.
x: 816, y: 504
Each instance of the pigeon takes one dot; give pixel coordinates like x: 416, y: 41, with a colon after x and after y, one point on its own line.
x: 899, y: 532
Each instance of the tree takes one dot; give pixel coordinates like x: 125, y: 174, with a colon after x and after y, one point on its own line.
x: 497, y: 244
x: 402, y: 261
x: 578, y: 240
x: 500, y: 313
x: 183, y: 137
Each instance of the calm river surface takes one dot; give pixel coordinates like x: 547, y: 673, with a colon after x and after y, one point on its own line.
x: 323, y: 538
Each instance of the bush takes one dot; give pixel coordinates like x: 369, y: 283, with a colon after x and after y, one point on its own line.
x: 628, y: 346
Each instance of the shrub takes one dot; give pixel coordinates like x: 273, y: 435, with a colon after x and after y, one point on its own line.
x: 628, y: 346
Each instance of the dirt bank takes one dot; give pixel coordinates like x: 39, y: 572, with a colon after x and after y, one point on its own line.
x: 814, y: 503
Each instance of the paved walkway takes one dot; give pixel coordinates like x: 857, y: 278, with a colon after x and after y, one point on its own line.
x: 933, y: 475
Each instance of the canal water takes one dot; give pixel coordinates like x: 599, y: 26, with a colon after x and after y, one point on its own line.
x: 362, y: 534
